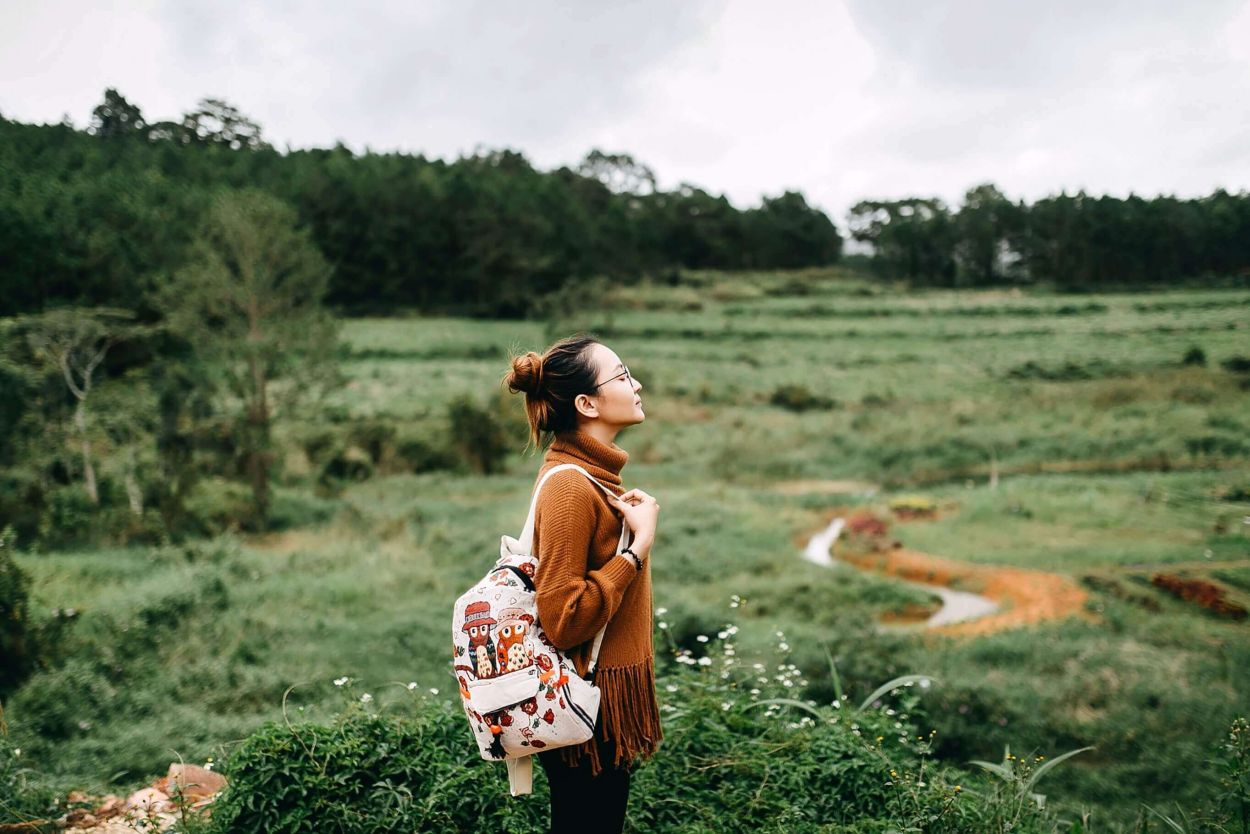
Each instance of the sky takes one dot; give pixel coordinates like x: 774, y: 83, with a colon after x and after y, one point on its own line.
x: 842, y: 100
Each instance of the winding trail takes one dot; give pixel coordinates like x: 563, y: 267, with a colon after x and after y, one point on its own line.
x: 1007, y: 598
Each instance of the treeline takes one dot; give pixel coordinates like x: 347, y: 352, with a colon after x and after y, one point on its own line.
x: 1072, y: 242
x: 101, y: 216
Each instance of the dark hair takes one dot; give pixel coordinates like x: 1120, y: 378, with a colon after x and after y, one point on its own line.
x: 551, y: 383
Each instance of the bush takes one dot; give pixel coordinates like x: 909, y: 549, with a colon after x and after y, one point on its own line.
x: 61, y: 703
x: 728, y: 732
x: 17, y: 655
x: 799, y: 398
x: 478, y: 435
x: 1194, y: 356
x: 218, y: 505
x: 23, y: 796
x: 367, y: 772
x: 67, y: 518
x: 1237, y: 364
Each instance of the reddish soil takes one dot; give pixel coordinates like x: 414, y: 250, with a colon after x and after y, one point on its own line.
x: 1025, y: 597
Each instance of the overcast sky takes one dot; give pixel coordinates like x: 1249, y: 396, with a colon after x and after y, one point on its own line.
x: 841, y: 99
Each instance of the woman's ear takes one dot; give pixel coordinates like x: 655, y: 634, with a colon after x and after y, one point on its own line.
x: 586, y: 406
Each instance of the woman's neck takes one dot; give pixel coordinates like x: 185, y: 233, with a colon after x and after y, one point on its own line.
x: 599, y: 431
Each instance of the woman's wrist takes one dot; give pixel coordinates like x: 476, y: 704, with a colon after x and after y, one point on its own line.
x: 641, y: 545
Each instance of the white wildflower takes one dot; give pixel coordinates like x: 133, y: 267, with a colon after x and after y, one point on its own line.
x: 433, y: 690
x: 366, y: 698
x: 705, y: 661
x: 341, y: 681
x: 412, y: 686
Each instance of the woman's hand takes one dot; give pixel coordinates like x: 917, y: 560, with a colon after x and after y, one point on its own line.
x: 641, y: 513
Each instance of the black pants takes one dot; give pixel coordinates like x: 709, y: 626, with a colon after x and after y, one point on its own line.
x: 581, y: 802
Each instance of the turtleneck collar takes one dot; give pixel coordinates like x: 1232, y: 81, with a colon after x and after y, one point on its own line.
x: 602, y: 460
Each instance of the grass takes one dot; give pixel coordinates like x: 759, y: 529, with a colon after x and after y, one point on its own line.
x: 1115, y: 468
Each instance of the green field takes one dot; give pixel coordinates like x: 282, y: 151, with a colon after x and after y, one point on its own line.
x: 761, y: 391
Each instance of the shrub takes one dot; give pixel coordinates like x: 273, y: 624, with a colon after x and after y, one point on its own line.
x: 1067, y: 372
x: 218, y: 505
x: 367, y: 772
x: 799, y: 398
x: 477, y: 435
x: 23, y: 796
x: 16, y: 650
x: 61, y: 703
x: 729, y: 730
x: 421, y: 454
x: 1194, y: 356
x: 1237, y: 364
x: 67, y: 518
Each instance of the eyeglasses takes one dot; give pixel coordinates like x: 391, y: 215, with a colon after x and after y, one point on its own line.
x: 625, y: 373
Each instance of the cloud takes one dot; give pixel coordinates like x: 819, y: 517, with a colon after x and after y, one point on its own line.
x: 1108, y: 97
x: 441, y: 78
x: 841, y: 100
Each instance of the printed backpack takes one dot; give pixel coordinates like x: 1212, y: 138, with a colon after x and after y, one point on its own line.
x: 521, y: 694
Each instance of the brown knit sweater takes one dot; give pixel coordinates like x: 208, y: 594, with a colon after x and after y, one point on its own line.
x: 581, y: 584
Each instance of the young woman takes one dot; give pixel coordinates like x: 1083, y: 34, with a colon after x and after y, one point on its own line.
x: 579, y: 395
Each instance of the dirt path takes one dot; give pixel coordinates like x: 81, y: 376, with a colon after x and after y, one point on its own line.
x: 1024, y: 597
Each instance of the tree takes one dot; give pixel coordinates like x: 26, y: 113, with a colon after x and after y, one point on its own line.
x: 785, y: 232
x: 911, y: 238
x: 75, y: 342
x: 250, y: 304
x: 219, y: 123
x: 620, y: 172
x: 985, y: 226
x: 116, y: 117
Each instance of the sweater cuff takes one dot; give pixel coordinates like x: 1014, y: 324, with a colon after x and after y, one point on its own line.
x: 619, y: 571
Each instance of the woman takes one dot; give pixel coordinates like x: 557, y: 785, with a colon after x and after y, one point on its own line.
x: 579, y: 394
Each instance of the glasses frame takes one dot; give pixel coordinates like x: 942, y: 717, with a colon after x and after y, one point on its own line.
x: 624, y: 373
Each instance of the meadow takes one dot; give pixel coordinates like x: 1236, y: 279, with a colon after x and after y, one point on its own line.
x: 1105, y: 437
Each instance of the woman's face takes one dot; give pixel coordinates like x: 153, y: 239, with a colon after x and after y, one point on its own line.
x: 616, y: 396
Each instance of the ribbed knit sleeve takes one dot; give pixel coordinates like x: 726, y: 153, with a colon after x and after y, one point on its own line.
x: 575, y: 598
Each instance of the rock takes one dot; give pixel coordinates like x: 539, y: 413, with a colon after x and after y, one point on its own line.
x: 149, y: 800
x: 193, y: 781
x: 80, y: 818
x: 110, y: 806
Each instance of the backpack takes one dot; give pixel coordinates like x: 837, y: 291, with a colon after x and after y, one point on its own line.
x: 520, y: 693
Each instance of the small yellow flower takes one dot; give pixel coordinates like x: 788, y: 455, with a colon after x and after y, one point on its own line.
x: 958, y: 788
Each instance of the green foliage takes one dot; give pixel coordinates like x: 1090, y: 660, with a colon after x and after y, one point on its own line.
x: 24, y: 796
x: 478, y: 435
x: 737, y: 756
x: 1236, y: 364
x: 249, y: 303
x: 1194, y: 356
x: 799, y: 398
x: 103, y: 214
x: 366, y: 772
x: 1233, y: 763
x: 16, y: 652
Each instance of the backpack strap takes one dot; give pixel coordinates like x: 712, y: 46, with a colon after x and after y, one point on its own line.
x: 527, y: 543
x: 520, y: 775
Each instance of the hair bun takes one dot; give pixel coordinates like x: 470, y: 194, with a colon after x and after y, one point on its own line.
x: 527, y: 373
